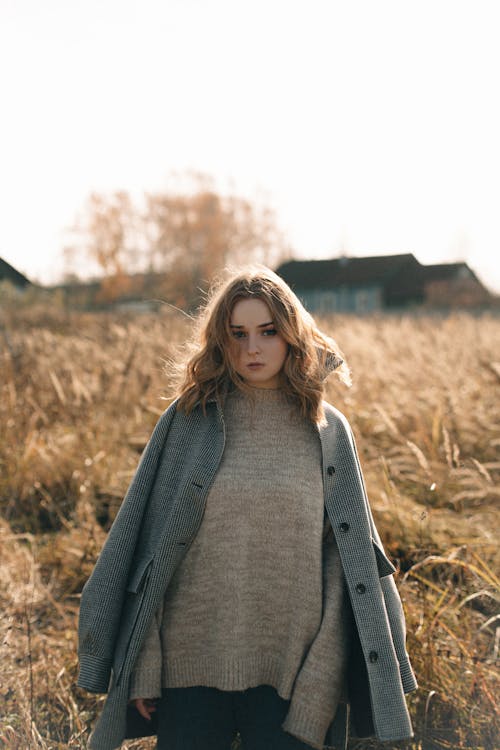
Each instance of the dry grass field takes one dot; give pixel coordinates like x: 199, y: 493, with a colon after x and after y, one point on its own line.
x: 80, y: 394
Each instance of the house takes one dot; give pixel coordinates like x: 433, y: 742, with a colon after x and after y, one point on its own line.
x: 9, y: 273
x: 383, y: 282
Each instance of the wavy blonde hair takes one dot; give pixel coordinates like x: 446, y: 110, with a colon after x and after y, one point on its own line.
x: 210, y: 373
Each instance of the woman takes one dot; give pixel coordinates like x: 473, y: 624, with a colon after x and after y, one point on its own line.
x: 243, y: 586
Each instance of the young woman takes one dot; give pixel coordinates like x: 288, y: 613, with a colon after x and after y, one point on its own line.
x: 243, y: 586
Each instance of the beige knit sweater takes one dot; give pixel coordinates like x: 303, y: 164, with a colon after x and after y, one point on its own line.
x: 257, y: 598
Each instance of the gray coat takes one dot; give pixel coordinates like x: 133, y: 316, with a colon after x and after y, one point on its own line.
x: 159, y: 517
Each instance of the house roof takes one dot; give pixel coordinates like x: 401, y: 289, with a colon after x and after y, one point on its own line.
x: 11, y: 274
x: 445, y: 271
x: 346, y: 271
x: 401, y: 277
x: 413, y: 285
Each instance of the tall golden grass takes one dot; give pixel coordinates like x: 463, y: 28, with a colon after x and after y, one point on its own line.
x: 80, y: 394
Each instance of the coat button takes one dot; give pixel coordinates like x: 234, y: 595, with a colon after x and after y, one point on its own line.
x: 373, y: 656
x: 330, y: 471
x: 360, y: 588
x: 344, y: 526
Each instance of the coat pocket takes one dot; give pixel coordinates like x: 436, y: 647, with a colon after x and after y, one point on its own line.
x: 384, y: 565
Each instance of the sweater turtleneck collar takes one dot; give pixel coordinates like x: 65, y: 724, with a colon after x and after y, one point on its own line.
x: 261, y: 395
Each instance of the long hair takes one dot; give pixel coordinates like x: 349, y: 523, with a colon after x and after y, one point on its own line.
x: 210, y: 373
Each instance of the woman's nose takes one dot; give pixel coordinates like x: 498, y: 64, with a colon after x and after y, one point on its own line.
x: 253, y: 345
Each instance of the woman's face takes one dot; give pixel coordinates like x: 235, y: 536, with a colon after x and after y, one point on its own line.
x: 259, y: 350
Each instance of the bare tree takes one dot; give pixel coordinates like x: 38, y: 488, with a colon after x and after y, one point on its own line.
x: 181, y: 238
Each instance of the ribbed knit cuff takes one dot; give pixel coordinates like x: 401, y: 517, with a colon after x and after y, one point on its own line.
x: 407, y: 677
x: 94, y: 673
x: 145, y: 683
x: 300, y: 723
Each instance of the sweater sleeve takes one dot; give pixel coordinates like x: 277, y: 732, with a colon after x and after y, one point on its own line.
x: 146, y: 677
x: 319, y: 683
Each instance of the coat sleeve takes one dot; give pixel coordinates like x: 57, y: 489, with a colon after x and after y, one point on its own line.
x: 104, y: 593
x: 390, y: 592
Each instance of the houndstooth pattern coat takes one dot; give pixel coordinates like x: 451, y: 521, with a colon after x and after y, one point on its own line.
x: 159, y: 517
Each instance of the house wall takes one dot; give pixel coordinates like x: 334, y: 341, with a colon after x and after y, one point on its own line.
x: 344, y: 299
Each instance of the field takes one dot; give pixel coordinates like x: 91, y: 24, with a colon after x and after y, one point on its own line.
x: 80, y: 394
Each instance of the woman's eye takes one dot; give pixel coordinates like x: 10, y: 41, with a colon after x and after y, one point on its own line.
x: 238, y: 334
x: 270, y: 332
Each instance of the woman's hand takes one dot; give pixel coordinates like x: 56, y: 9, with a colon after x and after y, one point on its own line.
x: 145, y: 706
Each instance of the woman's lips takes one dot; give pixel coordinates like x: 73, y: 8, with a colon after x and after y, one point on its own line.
x: 255, y: 365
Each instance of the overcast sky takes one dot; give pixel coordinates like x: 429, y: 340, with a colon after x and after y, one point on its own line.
x: 370, y: 127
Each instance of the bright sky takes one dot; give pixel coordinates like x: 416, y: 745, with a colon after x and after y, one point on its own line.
x: 372, y: 127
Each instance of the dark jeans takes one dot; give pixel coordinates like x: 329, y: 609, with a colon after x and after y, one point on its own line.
x: 204, y: 718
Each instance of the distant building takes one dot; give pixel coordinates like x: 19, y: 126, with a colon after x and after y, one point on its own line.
x: 9, y: 273
x: 383, y: 282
